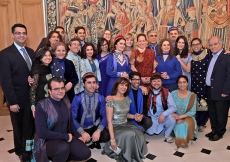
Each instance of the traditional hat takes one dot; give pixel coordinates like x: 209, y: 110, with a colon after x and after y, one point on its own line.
x: 118, y: 37
x: 173, y: 28
x: 88, y: 74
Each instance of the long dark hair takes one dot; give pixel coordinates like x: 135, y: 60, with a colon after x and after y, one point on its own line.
x: 184, y: 52
x: 171, y: 52
x: 47, y: 43
x: 120, y: 80
x: 100, y: 43
x: 83, y: 50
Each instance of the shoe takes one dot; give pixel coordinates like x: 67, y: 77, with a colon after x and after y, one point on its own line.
x: 20, y: 158
x: 169, y: 139
x: 215, y: 137
x: 212, y: 133
x: 97, y: 145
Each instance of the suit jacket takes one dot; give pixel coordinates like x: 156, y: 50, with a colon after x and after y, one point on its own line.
x: 220, y: 78
x: 14, y: 74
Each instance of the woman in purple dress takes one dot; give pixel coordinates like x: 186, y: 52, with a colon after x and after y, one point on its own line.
x: 117, y: 63
x: 103, y: 51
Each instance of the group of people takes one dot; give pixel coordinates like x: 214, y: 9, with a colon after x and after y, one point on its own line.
x: 64, y: 96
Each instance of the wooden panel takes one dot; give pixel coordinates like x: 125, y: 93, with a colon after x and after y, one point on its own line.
x: 7, y: 19
x: 30, y: 13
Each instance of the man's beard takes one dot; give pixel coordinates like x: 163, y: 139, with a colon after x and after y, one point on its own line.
x: 157, y: 88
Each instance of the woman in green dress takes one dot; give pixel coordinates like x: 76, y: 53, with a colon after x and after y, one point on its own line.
x: 186, y: 110
x: 123, y: 134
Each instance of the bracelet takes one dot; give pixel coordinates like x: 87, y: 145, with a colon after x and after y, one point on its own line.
x: 113, y: 140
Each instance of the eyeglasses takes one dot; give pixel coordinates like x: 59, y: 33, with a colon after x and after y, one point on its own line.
x: 59, y: 89
x: 19, y: 33
x: 195, y: 44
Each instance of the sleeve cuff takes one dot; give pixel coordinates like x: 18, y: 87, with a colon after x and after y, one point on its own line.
x: 80, y: 130
x: 101, y: 127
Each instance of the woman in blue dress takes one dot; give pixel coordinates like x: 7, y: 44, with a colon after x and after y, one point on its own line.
x: 117, y: 63
x: 103, y: 51
x: 184, y: 57
x: 185, y: 128
x: 168, y: 65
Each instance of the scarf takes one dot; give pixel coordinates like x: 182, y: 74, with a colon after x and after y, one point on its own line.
x: 197, y: 53
x: 120, y: 57
x: 133, y: 108
x: 39, y: 68
x: 56, y: 68
x: 151, y: 102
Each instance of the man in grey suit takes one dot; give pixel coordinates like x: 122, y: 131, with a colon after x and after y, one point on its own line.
x: 218, y: 88
x: 15, y: 64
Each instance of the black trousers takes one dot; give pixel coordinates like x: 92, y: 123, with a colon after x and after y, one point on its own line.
x: 17, y: 124
x: 201, y: 118
x: 218, y: 113
x: 61, y: 151
x: 104, y: 137
x: 146, y: 122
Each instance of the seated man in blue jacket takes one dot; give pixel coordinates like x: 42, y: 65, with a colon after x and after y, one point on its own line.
x: 138, y: 106
x: 88, y: 112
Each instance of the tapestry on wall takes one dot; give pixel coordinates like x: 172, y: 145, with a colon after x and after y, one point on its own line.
x: 194, y: 18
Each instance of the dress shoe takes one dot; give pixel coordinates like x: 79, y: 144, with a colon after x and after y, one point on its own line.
x: 215, y: 137
x: 212, y: 133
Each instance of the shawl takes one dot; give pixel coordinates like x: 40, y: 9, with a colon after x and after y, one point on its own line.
x: 151, y: 102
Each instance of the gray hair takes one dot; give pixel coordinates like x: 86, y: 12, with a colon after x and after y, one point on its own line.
x: 151, y: 31
x: 219, y: 40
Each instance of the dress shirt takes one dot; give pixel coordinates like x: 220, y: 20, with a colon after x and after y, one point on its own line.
x: 210, y: 68
x: 19, y: 49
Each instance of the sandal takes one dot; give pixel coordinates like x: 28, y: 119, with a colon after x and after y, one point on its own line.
x: 169, y: 139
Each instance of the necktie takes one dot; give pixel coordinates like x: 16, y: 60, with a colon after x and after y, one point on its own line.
x: 26, y: 57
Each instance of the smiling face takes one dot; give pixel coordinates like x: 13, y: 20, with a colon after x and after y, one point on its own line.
x: 182, y: 84
x: 214, y: 45
x: 180, y: 44
x: 60, y: 52
x: 46, y: 59
x: 196, y: 45
x: 89, y: 51
x: 165, y: 47
x: 120, y: 46
x: 19, y: 36
x: 81, y: 34
x: 135, y: 82
x: 75, y: 47
x: 104, y: 47
x: 129, y: 42
x: 122, y: 88
x: 57, y: 91
x: 142, y: 42
x: 107, y: 35
x: 156, y: 83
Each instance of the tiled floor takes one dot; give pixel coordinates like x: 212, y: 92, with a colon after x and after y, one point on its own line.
x: 219, y: 151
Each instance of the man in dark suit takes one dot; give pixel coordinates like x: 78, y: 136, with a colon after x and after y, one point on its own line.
x: 218, y: 88
x: 15, y: 64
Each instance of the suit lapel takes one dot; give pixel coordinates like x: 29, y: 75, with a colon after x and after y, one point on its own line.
x: 19, y: 56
